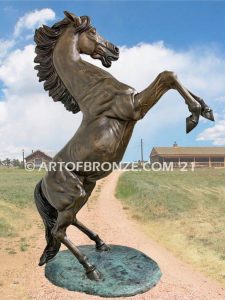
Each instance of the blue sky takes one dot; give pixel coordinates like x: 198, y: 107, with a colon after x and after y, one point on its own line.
x: 192, y: 41
x: 180, y: 24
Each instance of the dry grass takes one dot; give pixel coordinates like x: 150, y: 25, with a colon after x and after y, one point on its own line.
x: 16, y: 201
x: 183, y: 211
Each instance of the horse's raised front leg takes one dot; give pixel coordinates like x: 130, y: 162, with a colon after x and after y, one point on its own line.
x: 100, y: 245
x: 65, y: 218
x: 206, y: 110
x: 165, y: 81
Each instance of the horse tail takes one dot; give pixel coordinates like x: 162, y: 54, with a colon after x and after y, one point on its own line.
x: 49, y: 216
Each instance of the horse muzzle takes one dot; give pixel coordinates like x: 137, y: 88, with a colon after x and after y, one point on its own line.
x: 106, y: 53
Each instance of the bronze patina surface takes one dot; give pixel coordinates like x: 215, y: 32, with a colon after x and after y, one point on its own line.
x: 126, y: 272
x: 110, y: 110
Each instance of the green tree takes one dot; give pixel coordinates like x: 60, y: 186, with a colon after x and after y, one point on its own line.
x: 16, y: 163
x: 6, y: 162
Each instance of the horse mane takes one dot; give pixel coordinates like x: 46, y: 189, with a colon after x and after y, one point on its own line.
x: 46, y: 38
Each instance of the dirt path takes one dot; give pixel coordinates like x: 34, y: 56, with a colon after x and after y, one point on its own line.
x: 105, y: 214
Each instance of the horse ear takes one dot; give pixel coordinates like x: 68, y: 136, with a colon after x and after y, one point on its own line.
x: 73, y: 18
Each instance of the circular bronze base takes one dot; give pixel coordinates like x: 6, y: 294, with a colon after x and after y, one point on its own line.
x: 124, y: 272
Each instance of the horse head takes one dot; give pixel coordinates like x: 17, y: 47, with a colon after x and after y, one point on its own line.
x: 92, y: 43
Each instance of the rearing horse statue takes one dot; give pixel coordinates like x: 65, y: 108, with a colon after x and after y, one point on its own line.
x: 110, y: 110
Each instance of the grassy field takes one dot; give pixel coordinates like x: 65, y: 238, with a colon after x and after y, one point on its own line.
x: 184, y: 211
x: 16, y: 201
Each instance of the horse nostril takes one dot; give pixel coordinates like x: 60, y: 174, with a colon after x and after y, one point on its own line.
x: 117, y: 49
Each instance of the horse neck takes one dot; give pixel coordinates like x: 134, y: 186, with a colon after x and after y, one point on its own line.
x: 77, y: 74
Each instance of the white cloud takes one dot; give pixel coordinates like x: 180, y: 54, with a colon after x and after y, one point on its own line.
x: 3, y: 112
x: 17, y: 72
x: 29, y: 119
x: 202, y: 70
x: 29, y: 21
x: 215, y: 134
x: 5, y: 46
x: 33, y: 19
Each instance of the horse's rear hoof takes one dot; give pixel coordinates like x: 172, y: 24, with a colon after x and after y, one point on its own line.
x: 49, y: 253
x: 43, y: 260
x: 102, y: 247
x: 94, y: 275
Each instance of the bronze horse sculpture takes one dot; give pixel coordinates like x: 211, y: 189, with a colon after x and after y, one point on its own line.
x: 110, y: 111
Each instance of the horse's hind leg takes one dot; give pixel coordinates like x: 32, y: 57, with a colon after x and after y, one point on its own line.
x: 100, y: 245
x: 65, y: 218
x: 65, y: 191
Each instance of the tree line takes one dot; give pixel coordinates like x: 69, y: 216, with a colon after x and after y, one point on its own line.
x: 11, y: 163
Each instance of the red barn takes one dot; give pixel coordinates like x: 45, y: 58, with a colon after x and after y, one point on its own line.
x: 199, y: 156
x: 37, y: 158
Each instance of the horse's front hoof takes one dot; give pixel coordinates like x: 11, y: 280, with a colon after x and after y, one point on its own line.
x: 208, y: 113
x: 190, y: 124
x: 102, y: 247
x: 94, y: 275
